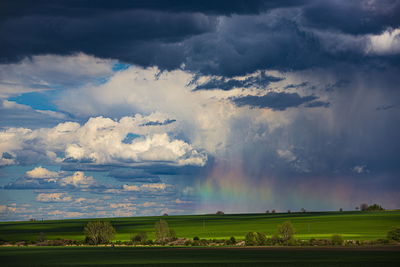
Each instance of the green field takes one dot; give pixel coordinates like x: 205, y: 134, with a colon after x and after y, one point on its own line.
x: 124, y: 256
x: 352, y: 225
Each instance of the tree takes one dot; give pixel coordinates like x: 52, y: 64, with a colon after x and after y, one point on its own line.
x: 172, y: 234
x: 340, y: 209
x: 140, y: 237
x: 220, y: 212
x: 286, y: 230
x: 231, y: 241
x: 162, y: 231
x: 99, y: 232
x: 303, y: 210
x: 364, y: 206
x: 273, y: 211
x: 42, y: 237
x: 337, y: 240
x: 255, y: 239
x: 375, y: 207
x: 394, y: 234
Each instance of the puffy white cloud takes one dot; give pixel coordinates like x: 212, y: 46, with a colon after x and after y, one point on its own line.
x: 386, y: 43
x: 149, y: 204
x: 286, y: 154
x: 101, y: 141
x: 129, y: 206
x: 42, y: 178
x: 126, y: 187
x: 203, y: 115
x: 46, y: 72
x: 158, y: 186
x: 79, y: 180
x: 53, y: 197
x: 40, y: 172
x: 180, y: 201
x: 7, y: 208
x: 145, y: 187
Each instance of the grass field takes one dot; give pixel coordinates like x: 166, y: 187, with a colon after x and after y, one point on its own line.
x: 124, y: 256
x: 352, y: 225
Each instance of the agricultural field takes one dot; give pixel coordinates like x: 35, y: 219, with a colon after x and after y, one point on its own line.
x: 351, y: 225
x: 124, y: 256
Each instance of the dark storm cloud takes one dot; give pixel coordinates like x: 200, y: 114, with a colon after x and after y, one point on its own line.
x: 260, y: 81
x: 275, y: 101
x: 354, y: 17
x: 222, y: 38
x: 123, y: 35
x: 17, y: 8
x: 140, y: 32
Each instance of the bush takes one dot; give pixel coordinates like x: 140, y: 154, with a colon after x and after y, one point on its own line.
x: 172, y: 235
x: 42, y: 237
x: 375, y: 207
x: 255, y: 239
x: 196, y: 238
x: 139, y: 237
x: 231, y: 241
x: 394, y: 234
x: 275, y: 239
x: 99, y: 232
x: 286, y: 230
x: 337, y: 240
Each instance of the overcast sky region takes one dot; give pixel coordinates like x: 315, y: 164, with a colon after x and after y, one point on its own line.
x: 134, y: 108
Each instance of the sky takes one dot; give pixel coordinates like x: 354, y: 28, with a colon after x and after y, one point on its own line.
x: 135, y: 108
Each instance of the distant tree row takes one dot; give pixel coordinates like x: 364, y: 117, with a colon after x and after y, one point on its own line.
x: 102, y: 232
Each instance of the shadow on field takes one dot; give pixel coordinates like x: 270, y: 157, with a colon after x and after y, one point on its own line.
x: 125, y: 256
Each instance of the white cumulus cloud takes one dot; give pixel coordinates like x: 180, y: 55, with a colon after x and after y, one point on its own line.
x: 40, y: 172
x: 53, y: 197
x: 100, y: 141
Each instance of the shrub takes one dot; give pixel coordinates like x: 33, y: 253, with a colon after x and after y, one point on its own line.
x: 139, y: 237
x: 231, y: 241
x: 172, y: 235
x: 394, y: 234
x: 196, y: 238
x: 275, y: 239
x: 99, y: 232
x: 337, y: 240
x: 286, y: 230
x: 41, y: 237
x: 255, y: 239
x: 375, y: 207
x: 251, y: 239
